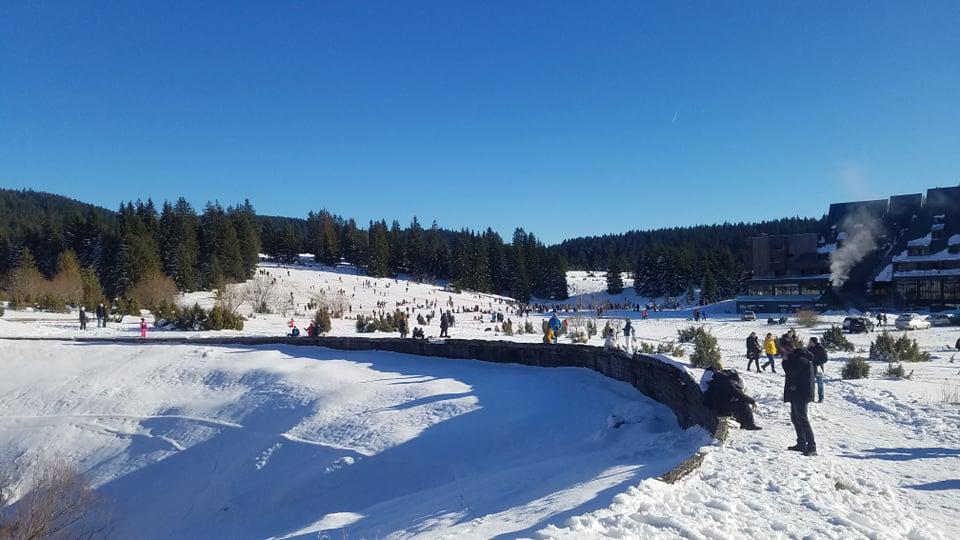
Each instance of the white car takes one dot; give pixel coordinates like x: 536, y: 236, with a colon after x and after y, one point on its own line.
x: 911, y: 321
x: 940, y: 319
x: 748, y: 316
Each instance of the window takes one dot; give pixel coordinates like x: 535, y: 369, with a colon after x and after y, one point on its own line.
x: 916, y: 251
x: 811, y: 288
x: 907, y: 290
x: 937, y: 234
x: 951, y: 289
x: 928, y: 289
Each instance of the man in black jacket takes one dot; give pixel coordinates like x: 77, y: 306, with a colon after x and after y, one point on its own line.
x: 753, y: 351
x: 726, y: 396
x: 820, y: 359
x: 798, y: 390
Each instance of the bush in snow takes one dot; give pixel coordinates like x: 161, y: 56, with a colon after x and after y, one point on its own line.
x: 903, y: 349
x: 669, y: 348
x: 60, y: 503
x: 705, y: 350
x: 834, y: 340
x: 591, y: 328
x: 807, y: 318
x: 855, y: 368
x: 153, y: 290
x: 528, y: 327
x: 578, y: 336
x: 322, y: 320
x: 1, y: 311
x: 896, y: 371
x: 196, y: 318
x: 689, y: 334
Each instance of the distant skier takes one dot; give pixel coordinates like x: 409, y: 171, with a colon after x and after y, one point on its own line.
x: 798, y: 390
x: 83, y: 318
x: 628, y: 337
x: 753, y: 351
x: 143, y: 328
x: 957, y: 346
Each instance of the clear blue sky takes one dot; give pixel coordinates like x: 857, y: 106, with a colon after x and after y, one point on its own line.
x: 566, y: 118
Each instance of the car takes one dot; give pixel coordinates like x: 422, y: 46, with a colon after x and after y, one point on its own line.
x: 941, y: 319
x: 748, y: 316
x: 857, y: 325
x: 911, y: 321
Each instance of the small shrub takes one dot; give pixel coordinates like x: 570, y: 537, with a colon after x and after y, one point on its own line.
x: 903, y: 349
x: 578, y: 336
x: 689, y: 334
x: 855, y: 368
x: 591, y: 328
x: 672, y: 349
x: 508, y: 327
x: 322, y: 320
x: 705, y: 350
x: 896, y: 371
x: 834, y: 340
x: 528, y: 327
x: 2, y: 311
x: 646, y: 348
x: 807, y: 318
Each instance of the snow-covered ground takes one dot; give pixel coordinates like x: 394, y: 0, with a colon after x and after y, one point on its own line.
x: 228, y: 442
x: 889, y: 464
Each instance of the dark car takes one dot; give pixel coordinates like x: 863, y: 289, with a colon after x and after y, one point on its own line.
x: 857, y: 325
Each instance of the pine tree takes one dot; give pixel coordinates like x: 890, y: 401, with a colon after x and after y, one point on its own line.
x: 25, y: 282
x: 614, y: 276
x: 708, y: 294
x: 417, y: 260
x: 378, y: 263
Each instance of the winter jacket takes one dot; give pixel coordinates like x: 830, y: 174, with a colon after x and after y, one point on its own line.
x: 753, y: 346
x: 770, y: 346
x: 800, y: 383
x: 819, y: 354
x: 555, y: 324
x: 628, y: 329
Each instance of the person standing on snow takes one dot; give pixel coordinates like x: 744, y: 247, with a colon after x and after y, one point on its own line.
x: 820, y: 359
x: 770, y: 347
x: 555, y: 325
x: 444, y: 325
x: 143, y: 328
x: 99, y: 312
x: 628, y: 336
x: 798, y: 390
x: 83, y: 318
x: 753, y: 350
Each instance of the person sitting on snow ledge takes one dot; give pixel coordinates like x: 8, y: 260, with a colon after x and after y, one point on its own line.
x: 723, y: 393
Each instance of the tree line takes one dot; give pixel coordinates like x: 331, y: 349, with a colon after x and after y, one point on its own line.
x: 673, y: 262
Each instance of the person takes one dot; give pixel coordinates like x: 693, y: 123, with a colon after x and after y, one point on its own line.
x: 402, y: 326
x: 101, y: 314
x: 628, y: 336
x: 753, y: 350
x: 312, y: 329
x: 957, y: 346
x: 548, y: 337
x: 880, y: 319
x: 770, y: 348
x: 820, y: 359
x: 555, y: 325
x: 798, y: 389
x: 143, y: 328
x: 725, y: 394
x: 608, y: 339
x: 418, y: 333
x: 294, y: 332
x: 444, y: 325
x: 83, y: 318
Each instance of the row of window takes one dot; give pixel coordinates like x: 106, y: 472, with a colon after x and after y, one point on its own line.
x: 926, y: 265
x: 929, y: 289
x: 786, y: 289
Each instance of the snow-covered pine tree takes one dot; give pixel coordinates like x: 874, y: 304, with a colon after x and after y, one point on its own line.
x: 614, y: 276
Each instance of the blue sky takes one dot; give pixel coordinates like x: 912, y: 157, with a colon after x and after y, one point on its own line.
x: 566, y: 118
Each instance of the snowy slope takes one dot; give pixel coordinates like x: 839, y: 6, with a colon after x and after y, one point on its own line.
x: 217, y: 442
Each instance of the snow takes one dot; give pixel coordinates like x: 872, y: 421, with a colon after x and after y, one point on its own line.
x: 954, y: 240
x: 197, y: 441
x: 381, y: 445
x: 921, y: 242
x: 942, y: 255
x: 829, y: 248
x: 886, y: 274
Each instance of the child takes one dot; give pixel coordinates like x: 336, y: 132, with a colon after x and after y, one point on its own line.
x: 143, y: 328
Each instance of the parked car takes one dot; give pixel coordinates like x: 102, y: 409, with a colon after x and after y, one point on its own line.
x: 911, y: 321
x: 941, y: 319
x: 748, y: 316
x: 857, y: 325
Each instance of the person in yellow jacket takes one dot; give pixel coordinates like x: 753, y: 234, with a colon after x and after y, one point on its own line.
x: 548, y: 337
x: 770, y: 348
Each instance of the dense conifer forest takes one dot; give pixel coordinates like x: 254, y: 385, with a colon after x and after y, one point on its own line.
x: 144, y: 251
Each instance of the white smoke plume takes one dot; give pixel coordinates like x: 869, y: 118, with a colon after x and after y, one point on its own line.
x: 862, y: 230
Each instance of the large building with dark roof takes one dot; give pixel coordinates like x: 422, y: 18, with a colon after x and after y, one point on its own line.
x: 896, y: 253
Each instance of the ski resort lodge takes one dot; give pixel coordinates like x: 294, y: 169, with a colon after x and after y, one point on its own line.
x: 899, y: 253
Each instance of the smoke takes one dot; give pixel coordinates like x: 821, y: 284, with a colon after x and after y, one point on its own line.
x: 862, y: 230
